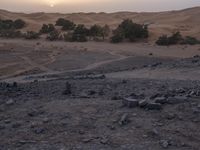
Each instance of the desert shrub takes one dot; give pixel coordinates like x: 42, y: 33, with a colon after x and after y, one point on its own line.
x: 96, y: 31
x: 47, y: 28
x: 163, y: 40
x: 176, y: 38
x: 68, y: 37
x: 29, y: 35
x: 66, y: 24
x: 10, y: 34
x: 19, y: 24
x: 80, y: 33
x: 118, y: 36
x: 106, y: 31
x: 190, y: 40
x: 10, y: 24
x: 54, y: 35
x: 131, y: 31
x: 60, y: 22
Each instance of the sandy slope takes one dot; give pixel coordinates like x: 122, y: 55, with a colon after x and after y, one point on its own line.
x: 187, y: 21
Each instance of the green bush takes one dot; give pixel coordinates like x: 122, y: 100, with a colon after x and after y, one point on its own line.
x: 30, y: 35
x: 66, y: 24
x: 163, y: 40
x: 10, y: 34
x: 96, y: 31
x: 80, y: 33
x: 11, y: 25
x: 47, y: 28
x: 118, y: 36
x: 19, y: 24
x: 54, y: 35
x: 130, y: 31
x: 190, y: 40
x: 176, y: 38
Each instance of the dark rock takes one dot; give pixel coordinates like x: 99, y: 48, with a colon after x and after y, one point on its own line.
x: 164, y: 143
x: 67, y: 89
x: 104, y: 140
x: 10, y: 102
x: 39, y: 130
x: 116, y: 98
x: 161, y: 100
x: 176, y: 100
x: 16, y: 125
x: 2, y: 127
x: 153, y: 106
x: 129, y: 102
x: 124, y: 120
x: 143, y: 103
x: 91, y: 92
x: 87, y: 140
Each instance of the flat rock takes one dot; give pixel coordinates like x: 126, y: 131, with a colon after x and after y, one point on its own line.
x: 176, y: 100
x: 130, y: 102
x: 161, y: 100
x: 143, y: 103
x: 153, y: 106
x: 10, y: 102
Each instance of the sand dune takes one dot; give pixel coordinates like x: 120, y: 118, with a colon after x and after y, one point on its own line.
x: 187, y: 21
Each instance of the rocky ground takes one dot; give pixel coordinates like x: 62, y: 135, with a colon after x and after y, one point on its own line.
x: 90, y: 110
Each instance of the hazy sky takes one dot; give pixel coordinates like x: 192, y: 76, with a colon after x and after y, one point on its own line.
x: 95, y: 5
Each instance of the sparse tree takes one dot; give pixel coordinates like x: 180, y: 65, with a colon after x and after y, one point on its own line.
x: 19, y: 24
x: 30, y: 35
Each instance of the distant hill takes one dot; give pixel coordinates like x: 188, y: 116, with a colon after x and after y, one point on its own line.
x: 187, y: 21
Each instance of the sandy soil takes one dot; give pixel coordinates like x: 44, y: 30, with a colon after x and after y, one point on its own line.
x: 20, y: 57
x: 92, y: 96
x: 186, y: 21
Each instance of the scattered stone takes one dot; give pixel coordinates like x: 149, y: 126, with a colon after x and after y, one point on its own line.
x: 176, y: 100
x: 10, y: 102
x: 104, y: 140
x: 143, y: 103
x: 2, y: 127
x: 116, y: 98
x: 124, y: 120
x: 84, y: 95
x: 39, y: 130
x: 153, y: 106
x: 91, y: 92
x: 87, y: 140
x: 16, y: 125
x: 45, y: 120
x: 7, y: 121
x: 161, y: 100
x: 198, y: 106
x: 164, y: 143
x: 170, y: 116
x: 129, y: 102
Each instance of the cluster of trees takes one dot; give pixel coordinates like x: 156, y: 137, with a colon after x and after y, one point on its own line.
x: 127, y: 30
x: 65, y: 24
x: 74, y: 33
x: 130, y: 31
x: 176, y: 38
x: 10, y: 24
x: 10, y: 28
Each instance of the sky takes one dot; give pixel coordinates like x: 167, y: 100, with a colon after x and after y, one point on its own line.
x: 69, y: 6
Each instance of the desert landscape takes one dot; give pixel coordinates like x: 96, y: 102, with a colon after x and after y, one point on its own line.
x: 97, y: 95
